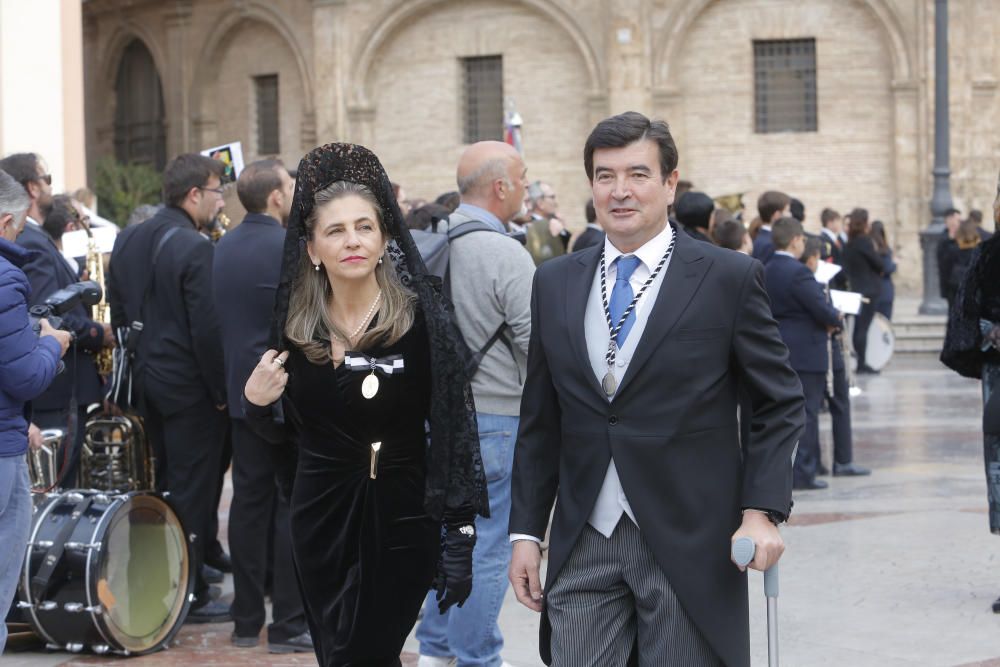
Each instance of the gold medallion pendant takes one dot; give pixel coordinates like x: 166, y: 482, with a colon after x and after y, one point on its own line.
x: 369, y: 387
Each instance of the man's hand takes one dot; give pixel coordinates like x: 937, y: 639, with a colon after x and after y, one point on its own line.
x: 525, y: 564
x: 62, y: 337
x: 109, y: 336
x: 765, y: 536
x: 35, y: 440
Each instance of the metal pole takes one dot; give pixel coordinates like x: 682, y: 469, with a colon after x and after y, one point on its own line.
x: 933, y: 303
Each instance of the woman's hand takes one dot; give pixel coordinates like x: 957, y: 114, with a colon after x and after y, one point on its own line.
x: 268, y: 380
x: 454, y: 577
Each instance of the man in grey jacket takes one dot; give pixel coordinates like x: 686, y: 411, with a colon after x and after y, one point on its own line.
x: 491, y: 276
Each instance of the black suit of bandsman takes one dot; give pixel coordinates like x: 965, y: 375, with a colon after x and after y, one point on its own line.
x: 246, y: 271
x: 160, y: 275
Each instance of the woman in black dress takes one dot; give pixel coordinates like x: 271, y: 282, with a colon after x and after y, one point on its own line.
x: 864, y: 269
x: 369, y: 356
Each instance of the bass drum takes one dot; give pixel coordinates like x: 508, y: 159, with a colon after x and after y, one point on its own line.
x: 110, y: 573
x: 881, y: 342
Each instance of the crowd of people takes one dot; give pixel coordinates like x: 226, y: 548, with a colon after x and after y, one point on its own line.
x: 398, y: 430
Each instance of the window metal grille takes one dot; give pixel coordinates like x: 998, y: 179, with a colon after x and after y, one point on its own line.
x: 785, y: 85
x: 266, y: 88
x: 483, y: 98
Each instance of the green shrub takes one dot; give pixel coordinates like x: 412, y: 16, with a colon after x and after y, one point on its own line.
x: 122, y: 187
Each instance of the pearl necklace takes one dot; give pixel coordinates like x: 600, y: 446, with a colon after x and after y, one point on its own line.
x: 368, y: 317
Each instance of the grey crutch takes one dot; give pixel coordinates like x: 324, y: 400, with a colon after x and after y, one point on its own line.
x: 742, y: 552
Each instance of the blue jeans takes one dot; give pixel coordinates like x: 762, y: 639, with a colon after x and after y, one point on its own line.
x: 471, y: 633
x: 15, y: 525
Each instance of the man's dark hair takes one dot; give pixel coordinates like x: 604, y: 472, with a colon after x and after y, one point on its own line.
x: 428, y: 216
x: 859, y: 223
x: 827, y: 216
x: 589, y: 211
x: 729, y: 234
x: 814, y: 248
x: 187, y: 171
x: 22, y: 167
x: 256, y: 183
x: 797, y: 209
x: 450, y: 200
x: 770, y: 203
x: 694, y: 209
x: 784, y: 231
x: 976, y: 216
x: 63, y: 212
x: 627, y: 128
x: 950, y: 211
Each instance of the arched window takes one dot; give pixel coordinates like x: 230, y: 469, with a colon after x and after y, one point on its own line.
x: 139, y: 130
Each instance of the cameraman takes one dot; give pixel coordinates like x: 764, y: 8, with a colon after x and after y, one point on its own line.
x: 27, y: 366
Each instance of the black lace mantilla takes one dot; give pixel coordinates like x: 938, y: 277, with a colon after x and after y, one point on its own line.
x: 455, y: 477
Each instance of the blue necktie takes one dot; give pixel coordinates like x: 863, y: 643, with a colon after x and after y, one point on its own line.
x: 622, y: 295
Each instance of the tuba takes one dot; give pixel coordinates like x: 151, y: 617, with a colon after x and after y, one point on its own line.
x: 219, y: 227
x: 116, y: 455
x: 43, y: 463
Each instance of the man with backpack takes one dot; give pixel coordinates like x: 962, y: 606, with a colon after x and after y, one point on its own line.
x: 489, y: 275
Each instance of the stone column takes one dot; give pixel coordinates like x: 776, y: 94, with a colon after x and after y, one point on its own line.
x: 329, y: 58
x: 176, y: 79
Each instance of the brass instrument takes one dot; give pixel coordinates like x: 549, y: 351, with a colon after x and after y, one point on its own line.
x: 116, y: 455
x: 43, y: 463
x: 100, y: 311
x: 731, y: 202
x: 219, y: 227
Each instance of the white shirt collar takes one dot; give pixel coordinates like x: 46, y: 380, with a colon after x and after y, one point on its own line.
x: 785, y: 253
x: 650, y: 253
x: 828, y: 233
x: 766, y: 228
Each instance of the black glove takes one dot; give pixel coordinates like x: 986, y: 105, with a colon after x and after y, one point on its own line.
x: 454, y: 576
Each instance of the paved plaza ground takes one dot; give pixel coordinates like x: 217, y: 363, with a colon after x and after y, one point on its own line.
x: 893, y: 570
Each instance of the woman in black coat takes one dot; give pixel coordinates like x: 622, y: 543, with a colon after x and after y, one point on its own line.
x: 972, y: 348
x: 864, y: 269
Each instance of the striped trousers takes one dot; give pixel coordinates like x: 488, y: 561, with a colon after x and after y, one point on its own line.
x: 611, y: 596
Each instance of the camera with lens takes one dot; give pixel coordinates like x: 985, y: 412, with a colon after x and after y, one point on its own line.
x: 86, y: 293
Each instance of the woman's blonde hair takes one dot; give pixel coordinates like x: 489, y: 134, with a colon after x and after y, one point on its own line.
x: 309, y: 326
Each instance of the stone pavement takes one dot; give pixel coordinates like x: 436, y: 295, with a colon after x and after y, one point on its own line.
x: 896, y: 569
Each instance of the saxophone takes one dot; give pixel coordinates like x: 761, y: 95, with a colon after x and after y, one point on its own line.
x: 100, y: 311
x: 219, y: 227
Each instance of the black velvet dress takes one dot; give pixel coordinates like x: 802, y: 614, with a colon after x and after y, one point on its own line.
x: 365, y: 550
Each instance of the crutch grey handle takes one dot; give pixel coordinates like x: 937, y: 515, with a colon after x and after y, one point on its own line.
x: 743, y: 550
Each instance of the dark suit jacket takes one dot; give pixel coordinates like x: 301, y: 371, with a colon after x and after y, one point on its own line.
x: 179, y: 357
x: 800, y: 305
x: 864, y: 267
x: 763, y: 248
x: 831, y: 252
x: 245, y: 274
x: 672, y: 426
x: 589, y: 237
x: 47, y: 273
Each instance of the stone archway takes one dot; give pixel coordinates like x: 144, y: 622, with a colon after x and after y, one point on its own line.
x: 255, y: 41
x: 139, y: 128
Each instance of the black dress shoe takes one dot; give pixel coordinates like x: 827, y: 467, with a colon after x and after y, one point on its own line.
x: 298, y: 644
x: 822, y: 470
x: 211, y: 575
x: 996, y: 606
x: 219, y: 559
x: 865, y: 369
x: 814, y: 485
x: 210, y: 612
x: 849, y: 470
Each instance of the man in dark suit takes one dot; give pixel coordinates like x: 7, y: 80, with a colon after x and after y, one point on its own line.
x: 593, y: 234
x: 161, y: 276
x: 805, y: 321
x: 245, y: 274
x: 64, y: 404
x: 633, y: 426
x: 832, y: 248
x: 771, y: 206
x: 694, y: 212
